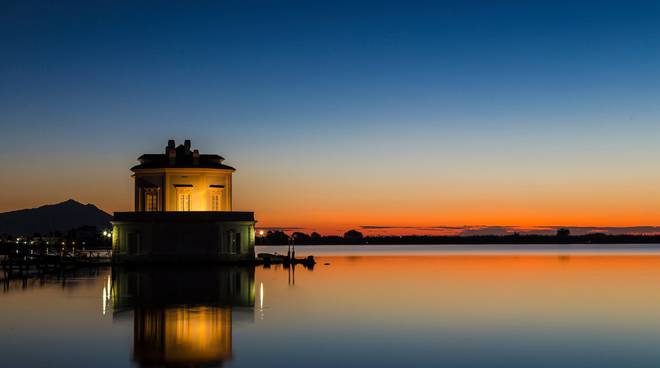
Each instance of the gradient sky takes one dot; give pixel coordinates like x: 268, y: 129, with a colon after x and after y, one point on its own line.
x: 340, y: 114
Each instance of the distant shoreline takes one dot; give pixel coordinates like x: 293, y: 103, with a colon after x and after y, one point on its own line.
x: 477, y: 239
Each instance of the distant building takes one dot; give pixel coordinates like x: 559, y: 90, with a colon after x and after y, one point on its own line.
x: 183, y: 211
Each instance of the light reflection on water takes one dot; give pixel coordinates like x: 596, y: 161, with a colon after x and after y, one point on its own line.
x: 182, y: 316
x: 576, y: 309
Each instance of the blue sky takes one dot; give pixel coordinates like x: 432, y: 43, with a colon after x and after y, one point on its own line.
x: 344, y: 102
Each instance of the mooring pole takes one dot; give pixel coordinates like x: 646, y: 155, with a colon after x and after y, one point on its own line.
x: 288, y: 250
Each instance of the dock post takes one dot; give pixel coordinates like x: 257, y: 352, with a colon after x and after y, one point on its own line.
x: 288, y: 250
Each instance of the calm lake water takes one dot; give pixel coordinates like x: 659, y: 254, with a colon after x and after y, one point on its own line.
x: 393, y: 306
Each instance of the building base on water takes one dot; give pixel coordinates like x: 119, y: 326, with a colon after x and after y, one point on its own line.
x: 204, y: 236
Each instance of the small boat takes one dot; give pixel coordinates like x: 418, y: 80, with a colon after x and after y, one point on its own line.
x: 268, y: 258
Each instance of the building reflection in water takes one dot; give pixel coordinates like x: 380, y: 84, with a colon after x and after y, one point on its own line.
x: 182, y: 316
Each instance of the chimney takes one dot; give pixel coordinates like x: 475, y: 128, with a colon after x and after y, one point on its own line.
x: 170, y: 144
x: 186, y: 144
x: 171, y: 152
x: 196, y: 157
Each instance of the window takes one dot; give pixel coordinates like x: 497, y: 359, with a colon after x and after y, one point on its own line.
x: 133, y: 243
x: 183, y: 201
x: 216, y: 199
x: 151, y: 199
x: 183, y: 197
x: 234, y: 241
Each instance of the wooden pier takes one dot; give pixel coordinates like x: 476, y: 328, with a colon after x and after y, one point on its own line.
x: 22, y: 262
x: 46, y: 262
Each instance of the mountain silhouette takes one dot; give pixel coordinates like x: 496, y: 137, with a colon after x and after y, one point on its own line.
x: 53, y: 217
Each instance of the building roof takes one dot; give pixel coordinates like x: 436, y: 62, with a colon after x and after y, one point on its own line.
x: 180, y: 157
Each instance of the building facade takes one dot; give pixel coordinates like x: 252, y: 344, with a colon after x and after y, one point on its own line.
x: 183, y: 211
x: 182, y: 180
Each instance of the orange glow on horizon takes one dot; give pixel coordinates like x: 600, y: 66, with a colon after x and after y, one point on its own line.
x: 323, y: 202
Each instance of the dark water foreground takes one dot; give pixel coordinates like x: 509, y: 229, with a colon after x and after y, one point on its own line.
x: 391, y: 306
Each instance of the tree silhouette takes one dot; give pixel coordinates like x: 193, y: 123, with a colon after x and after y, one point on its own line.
x: 276, y: 237
x: 353, y: 236
x: 299, y: 236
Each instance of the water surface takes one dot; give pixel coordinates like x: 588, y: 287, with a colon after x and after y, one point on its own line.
x: 394, y: 306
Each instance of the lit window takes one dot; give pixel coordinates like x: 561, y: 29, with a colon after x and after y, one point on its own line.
x: 184, y: 194
x: 183, y: 201
x: 216, y: 200
x: 151, y: 200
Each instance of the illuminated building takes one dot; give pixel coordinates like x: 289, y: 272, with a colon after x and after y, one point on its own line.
x: 183, y: 211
